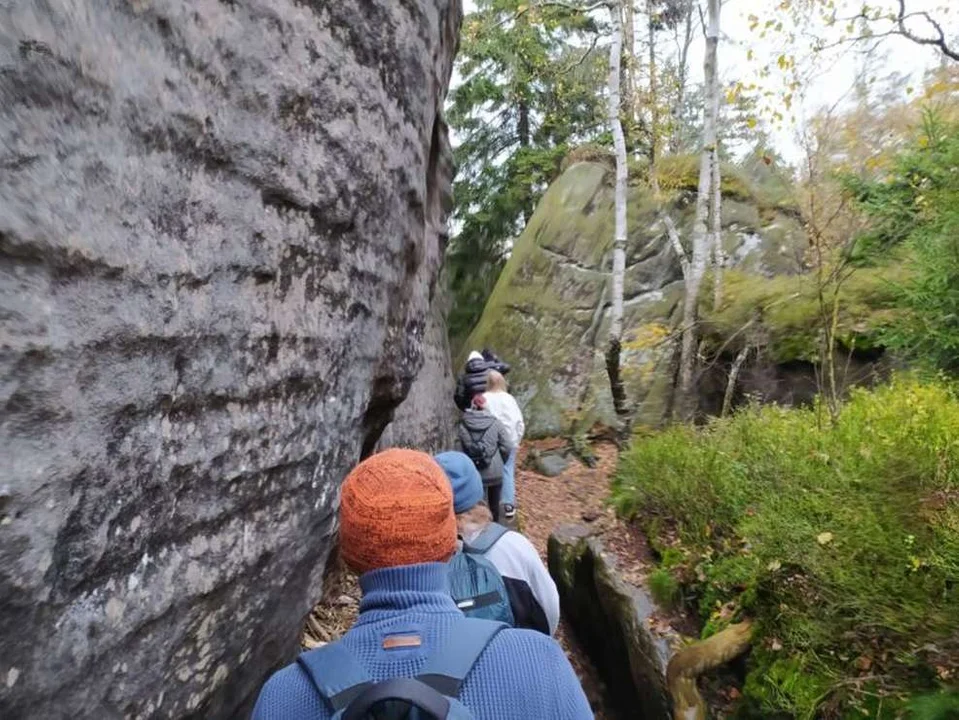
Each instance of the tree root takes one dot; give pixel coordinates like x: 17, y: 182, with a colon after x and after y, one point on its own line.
x: 692, y: 661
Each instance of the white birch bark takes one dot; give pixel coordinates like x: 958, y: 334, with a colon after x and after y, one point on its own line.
x: 619, y: 143
x: 716, y: 230
x: 619, y: 238
x: 700, y: 249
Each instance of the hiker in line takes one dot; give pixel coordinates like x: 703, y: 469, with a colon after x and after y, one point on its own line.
x: 484, y: 439
x: 532, y: 595
x: 472, y: 381
x: 504, y: 408
x: 494, y: 362
x: 397, y: 529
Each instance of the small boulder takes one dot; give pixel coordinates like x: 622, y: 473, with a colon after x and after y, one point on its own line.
x: 550, y: 464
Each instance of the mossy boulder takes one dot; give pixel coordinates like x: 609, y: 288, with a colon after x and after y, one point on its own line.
x: 610, y: 618
x: 549, y: 312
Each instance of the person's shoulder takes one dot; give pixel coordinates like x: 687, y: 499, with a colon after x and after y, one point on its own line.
x: 286, y: 694
x: 517, y: 539
x: 519, y: 642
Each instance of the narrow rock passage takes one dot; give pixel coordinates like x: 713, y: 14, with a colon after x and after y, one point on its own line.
x: 577, y: 495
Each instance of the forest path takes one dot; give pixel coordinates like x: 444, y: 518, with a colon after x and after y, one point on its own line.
x: 577, y: 495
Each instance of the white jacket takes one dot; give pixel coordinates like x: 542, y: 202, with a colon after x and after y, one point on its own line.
x: 504, y: 408
x: 532, y: 592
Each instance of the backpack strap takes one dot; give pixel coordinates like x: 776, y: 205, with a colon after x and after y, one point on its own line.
x: 335, y: 673
x: 489, y: 536
x: 446, y: 669
x: 413, y: 692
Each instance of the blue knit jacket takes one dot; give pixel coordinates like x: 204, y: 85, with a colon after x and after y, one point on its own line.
x: 522, y: 674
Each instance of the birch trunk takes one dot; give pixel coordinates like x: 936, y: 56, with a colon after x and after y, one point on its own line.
x: 631, y: 75
x: 716, y: 230
x: 700, y: 234
x: 731, y: 381
x: 619, y: 239
x: 653, y: 90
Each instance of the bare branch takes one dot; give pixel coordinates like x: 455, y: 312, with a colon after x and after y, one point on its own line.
x: 939, y: 41
x: 574, y: 6
x: 677, y: 245
x: 582, y: 59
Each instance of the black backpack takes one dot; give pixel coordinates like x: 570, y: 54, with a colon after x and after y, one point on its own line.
x: 478, y: 447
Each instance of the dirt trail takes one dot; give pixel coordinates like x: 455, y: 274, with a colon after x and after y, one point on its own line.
x: 578, y: 495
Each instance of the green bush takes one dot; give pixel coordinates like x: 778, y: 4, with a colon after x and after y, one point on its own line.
x: 841, y: 540
x: 916, y: 207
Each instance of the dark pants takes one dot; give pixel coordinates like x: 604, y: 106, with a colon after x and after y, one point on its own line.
x: 493, y: 493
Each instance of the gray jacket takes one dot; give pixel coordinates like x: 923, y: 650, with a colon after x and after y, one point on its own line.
x: 480, y: 429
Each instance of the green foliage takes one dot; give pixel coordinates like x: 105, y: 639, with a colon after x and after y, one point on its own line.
x: 787, y: 308
x: 916, y: 207
x: 841, y: 540
x: 664, y: 588
x: 529, y: 91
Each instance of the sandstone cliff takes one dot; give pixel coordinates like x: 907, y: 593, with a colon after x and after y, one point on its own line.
x: 219, y: 237
x: 549, y: 312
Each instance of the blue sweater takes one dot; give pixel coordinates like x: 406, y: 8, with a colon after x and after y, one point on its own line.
x: 522, y: 674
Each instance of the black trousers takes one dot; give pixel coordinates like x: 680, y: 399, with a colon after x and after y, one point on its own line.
x: 493, y: 494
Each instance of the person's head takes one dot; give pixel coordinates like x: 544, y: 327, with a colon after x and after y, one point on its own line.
x: 495, y: 382
x: 396, y: 508
x: 479, y: 402
x: 472, y: 514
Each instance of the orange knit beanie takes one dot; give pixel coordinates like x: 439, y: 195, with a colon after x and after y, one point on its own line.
x: 396, y: 508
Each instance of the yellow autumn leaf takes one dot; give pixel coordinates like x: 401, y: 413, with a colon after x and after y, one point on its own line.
x: 751, y: 122
x: 824, y: 538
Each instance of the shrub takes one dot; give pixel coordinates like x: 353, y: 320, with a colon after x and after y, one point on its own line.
x: 841, y: 540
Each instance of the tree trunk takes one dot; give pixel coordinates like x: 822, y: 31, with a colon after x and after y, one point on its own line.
x: 619, y: 239
x: 630, y: 76
x: 523, y: 133
x: 716, y: 230
x: 731, y: 381
x: 700, y: 235
x: 682, y: 73
x: 653, y: 88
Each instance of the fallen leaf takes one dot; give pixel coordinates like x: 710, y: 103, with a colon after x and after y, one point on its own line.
x: 864, y: 662
x: 775, y: 645
x: 824, y: 538
x: 774, y: 566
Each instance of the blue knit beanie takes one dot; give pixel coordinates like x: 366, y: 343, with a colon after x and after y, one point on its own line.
x: 464, y: 478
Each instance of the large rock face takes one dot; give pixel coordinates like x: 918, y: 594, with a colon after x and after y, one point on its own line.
x: 549, y: 312
x: 220, y: 228
x: 426, y: 419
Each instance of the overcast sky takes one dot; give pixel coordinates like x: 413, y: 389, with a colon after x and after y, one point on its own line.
x: 835, y: 71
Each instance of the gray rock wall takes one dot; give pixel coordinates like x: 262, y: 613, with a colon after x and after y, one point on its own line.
x: 426, y: 419
x: 219, y: 235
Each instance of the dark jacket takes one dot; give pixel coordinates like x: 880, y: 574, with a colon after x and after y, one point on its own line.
x: 479, y: 427
x: 473, y: 380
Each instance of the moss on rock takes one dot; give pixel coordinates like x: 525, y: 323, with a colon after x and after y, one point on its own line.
x: 548, y: 314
